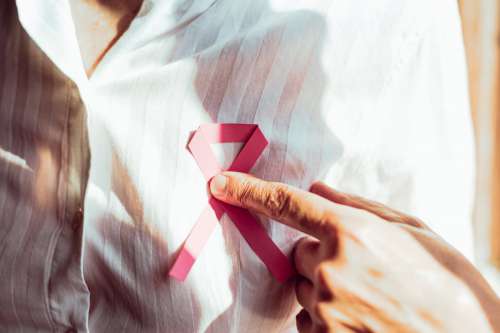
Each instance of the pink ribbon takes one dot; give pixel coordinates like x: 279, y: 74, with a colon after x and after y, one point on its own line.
x: 249, y: 227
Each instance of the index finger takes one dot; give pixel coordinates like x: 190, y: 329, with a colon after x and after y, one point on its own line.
x: 296, y: 208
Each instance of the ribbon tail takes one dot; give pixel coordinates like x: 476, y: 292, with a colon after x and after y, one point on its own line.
x: 259, y: 241
x: 195, y: 242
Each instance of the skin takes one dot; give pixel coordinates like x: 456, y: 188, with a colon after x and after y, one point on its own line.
x: 99, y: 24
x: 365, y: 267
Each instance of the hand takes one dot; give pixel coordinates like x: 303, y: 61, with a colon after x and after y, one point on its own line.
x: 368, y: 268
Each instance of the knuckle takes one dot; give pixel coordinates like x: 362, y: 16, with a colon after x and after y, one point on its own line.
x: 277, y: 201
x: 327, y: 224
x: 245, y: 193
x: 307, y: 247
x: 241, y: 192
x: 307, y: 216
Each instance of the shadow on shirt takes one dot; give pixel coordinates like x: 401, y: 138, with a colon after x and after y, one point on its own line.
x: 267, y: 69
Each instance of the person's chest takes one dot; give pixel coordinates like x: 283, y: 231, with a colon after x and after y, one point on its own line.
x: 146, y: 191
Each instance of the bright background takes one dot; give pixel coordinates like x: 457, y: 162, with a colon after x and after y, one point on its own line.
x: 481, y: 27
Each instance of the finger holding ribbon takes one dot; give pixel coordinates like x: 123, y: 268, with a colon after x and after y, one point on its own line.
x: 366, y: 267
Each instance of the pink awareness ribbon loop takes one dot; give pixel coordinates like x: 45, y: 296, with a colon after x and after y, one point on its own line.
x: 249, y: 227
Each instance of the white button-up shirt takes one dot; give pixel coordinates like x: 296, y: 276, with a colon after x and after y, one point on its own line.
x: 369, y: 96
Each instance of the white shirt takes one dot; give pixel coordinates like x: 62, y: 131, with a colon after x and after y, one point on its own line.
x: 370, y: 97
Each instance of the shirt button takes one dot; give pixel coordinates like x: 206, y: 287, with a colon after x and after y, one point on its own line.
x: 77, y: 219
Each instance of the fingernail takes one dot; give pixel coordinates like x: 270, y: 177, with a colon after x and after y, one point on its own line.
x: 218, y: 185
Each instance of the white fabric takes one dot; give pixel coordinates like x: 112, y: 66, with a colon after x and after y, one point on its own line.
x: 369, y: 96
